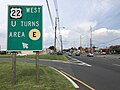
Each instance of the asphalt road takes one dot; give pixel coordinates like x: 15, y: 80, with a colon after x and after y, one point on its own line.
x: 104, y: 74
x: 98, y: 72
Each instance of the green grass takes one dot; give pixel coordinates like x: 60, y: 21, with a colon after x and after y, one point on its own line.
x: 49, y: 57
x: 5, y: 56
x: 48, y: 79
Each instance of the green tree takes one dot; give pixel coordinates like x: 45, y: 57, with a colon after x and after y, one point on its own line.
x: 52, y: 48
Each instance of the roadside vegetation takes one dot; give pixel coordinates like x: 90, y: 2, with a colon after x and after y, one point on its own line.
x: 48, y: 79
x: 50, y: 57
x: 5, y: 56
x: 46, y: 56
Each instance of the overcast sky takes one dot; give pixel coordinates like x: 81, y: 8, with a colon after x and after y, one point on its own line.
x: 76, y: 16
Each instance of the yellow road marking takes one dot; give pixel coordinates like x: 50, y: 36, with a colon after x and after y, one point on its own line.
x: 79, y: 81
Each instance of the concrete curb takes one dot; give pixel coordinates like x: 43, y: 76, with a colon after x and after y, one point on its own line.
x: 73, y: 83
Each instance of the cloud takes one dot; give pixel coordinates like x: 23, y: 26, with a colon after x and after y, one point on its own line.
x: 3, y: 31
x: 104, y: 36
x: 105, y: 5
x: 48, y: 36
x: 101, y: 38
x: 103, y: 32
x: 107, y: 14
x: 65, y: 33
x: 86, y: 25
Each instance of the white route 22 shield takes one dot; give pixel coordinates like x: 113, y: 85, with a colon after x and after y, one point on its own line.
x: 16, y: 13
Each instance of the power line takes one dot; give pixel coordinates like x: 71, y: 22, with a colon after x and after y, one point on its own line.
x: 57, y: 14
x: 112, y: 40
x: 107, y: 41
x: 50, y: 17
x: 56, y: 8
x: 50, y: 14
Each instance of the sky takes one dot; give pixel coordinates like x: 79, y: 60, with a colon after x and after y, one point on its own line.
x: 76, y: 16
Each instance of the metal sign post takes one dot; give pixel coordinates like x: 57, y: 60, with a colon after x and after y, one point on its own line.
x: 14, y: 68
x: 37, y: 67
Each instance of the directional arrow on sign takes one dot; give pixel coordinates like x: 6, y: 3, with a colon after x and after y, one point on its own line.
x: 25, y: 45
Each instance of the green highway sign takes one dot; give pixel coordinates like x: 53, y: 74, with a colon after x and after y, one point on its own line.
x: 25, y: 28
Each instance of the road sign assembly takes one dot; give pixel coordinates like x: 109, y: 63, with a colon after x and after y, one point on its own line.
x: 24, y: 28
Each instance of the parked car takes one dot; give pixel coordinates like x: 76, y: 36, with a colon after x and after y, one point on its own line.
x: 90, y: 55
x: 3, y: 52
x: 59, y: 53
x: 21, y: 54
x: 69, y: 54
x: 77, y: 53
x: 103, y: 53
x: 52, y: 53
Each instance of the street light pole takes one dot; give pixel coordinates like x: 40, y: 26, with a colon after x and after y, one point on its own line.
x: 80, y: 41
x: 61, y: 39
x: 80, y: 44
x: 91, y: 39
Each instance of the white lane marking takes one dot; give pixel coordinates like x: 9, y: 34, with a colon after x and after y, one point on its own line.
x: 78, y: 62
x: 87, y: 64
x: 73, y: 83
x: 84, y: 64
x: 71, y: 58
x: 90, y: 59
x: 116, y: 65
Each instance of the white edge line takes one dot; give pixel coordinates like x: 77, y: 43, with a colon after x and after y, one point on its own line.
x: 116, y: 65
x: 73, y: 83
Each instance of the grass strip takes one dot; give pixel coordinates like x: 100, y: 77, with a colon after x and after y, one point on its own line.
x: 49, y: 57
x: 48, y: 79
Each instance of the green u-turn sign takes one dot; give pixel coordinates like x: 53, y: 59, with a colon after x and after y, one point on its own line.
x: 25, y: 28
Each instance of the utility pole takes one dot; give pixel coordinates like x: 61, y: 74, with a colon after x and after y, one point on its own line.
x: 74, y: 44
x: 55, y: 34
x: 61, y: 43
x: 91, y: 39
x: 80, y: 41
x: 80, y: 44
